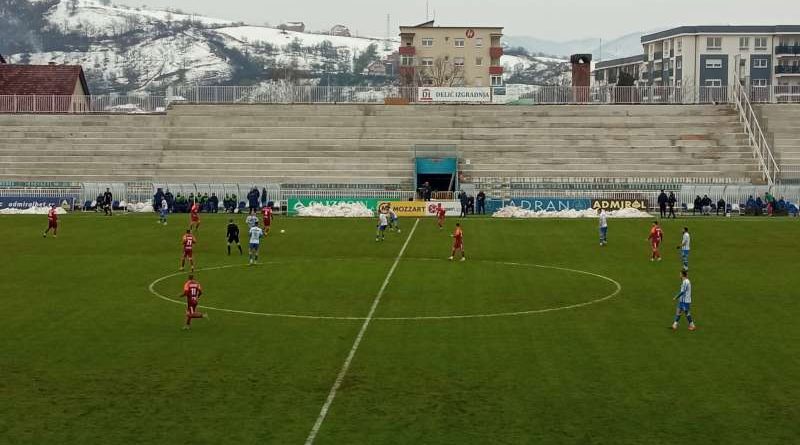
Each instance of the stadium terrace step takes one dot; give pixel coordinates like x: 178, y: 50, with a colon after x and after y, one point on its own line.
x: 375, y: 143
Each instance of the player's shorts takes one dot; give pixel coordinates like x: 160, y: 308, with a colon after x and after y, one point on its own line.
x: 163, y: 213
x: 191, y: 304
x: 187, y: 253
x: 382, y: 228
x: 233, y: 239
x: 52, y: 224
x: 656, y: 244
x: 255, y: 246
x: 458, y: 245
x: 267, y: 223
x: 195, y: 219
x: 685, y: 307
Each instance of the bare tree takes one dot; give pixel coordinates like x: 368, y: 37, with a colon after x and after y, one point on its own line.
x: 441, y: 73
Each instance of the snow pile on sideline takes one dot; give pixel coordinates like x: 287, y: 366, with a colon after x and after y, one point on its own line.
x: 139, y: 207
x: 341, y: 210
x: 31, y: 211
x: 516, y: 212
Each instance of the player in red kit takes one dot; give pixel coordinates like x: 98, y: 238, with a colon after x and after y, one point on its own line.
x: 52, y: 221
x: 188, y: 242
x: 458, y: 243
x: 440, y: 214
x: 192, y: 291
x: 266, y: 216
x: 194, y: 225
x: 655, y: 238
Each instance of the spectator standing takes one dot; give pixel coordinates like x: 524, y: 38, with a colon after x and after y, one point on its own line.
x: 481, y: 203
x: 662, y: 203
x: 252, y: 200
x: 170, y: 200
x: 157, y: 198
x: 721, y: 206
x: 759, y: 206
x: 108, y: 200
x: 263, y: 197
x: 671, y: 201
x: 698, y: 204
x: 462, y: 197
x: 706, y: 203
x: 213, y: 203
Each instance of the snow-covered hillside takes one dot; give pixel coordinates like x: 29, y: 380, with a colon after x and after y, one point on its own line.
x: 127, y: 50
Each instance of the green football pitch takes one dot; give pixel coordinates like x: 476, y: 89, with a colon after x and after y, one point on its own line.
x: 541, y: 336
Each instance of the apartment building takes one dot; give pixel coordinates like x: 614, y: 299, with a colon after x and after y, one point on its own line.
x: 451, y: 55
x: 607, y: 72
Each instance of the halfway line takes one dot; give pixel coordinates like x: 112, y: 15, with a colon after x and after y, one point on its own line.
x: 346, y: 366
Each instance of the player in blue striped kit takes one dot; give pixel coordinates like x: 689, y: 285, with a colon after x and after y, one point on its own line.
x: 684, y: 298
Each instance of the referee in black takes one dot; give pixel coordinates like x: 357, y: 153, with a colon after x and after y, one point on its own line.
x: 233, y: 236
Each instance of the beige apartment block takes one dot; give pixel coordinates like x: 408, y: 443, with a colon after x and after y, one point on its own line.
x: 443, y: 56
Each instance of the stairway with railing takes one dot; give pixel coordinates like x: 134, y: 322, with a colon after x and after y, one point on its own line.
x: 758, y: 142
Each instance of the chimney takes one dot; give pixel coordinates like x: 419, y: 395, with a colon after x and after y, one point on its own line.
x: 51, y: 63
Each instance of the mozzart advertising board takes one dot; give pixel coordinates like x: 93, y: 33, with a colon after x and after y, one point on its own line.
x: 454, y: 95
x: 406, y: 208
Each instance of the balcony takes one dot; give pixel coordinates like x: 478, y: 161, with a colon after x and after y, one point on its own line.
x: 496, y: 52
x: 495, y: 70
x: 787, y: 69
x: 407, y: 70
x: 786, y: 50
x: 408, y: 50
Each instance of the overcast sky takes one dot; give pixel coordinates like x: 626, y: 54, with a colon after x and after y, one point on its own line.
x: 548, y: 19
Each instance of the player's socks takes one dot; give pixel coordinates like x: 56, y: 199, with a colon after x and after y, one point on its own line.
x: 229, y: 250
x: 689, y: 318
x: 240, y: 249
x: 677, y: 319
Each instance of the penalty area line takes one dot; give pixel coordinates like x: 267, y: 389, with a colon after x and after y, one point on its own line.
x: 346, y: 366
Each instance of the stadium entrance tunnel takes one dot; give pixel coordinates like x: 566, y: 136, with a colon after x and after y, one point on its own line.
x: 420, y: 289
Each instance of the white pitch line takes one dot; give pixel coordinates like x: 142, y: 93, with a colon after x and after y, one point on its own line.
x: 346, y: 366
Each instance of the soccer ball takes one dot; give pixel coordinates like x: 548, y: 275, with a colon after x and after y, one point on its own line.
x: 283, y: 231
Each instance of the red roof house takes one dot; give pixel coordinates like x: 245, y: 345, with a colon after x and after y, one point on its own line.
x: 43, y: 88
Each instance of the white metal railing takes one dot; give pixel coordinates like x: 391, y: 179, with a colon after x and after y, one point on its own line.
x: 761, y: 149
x: 288, y: 94
x: 82, y: 104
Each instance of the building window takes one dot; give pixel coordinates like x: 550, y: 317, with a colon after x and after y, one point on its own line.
x: 759, y: 82
x: 714, y: 43
x: 713, y: 63
x: 497, y: 81
x: 761, y: 43
x: 427, y: 41
x: 679, y: 45
x: 479, y: 61
x: 406, y: 61
x: 427, y: 61
x: 760, y: 63
x: 459, y: 43
x: 713, y: 82
x: 479, y: 42
x: 679, y: 64
x: 458, y: 61
x: 744, y: 43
